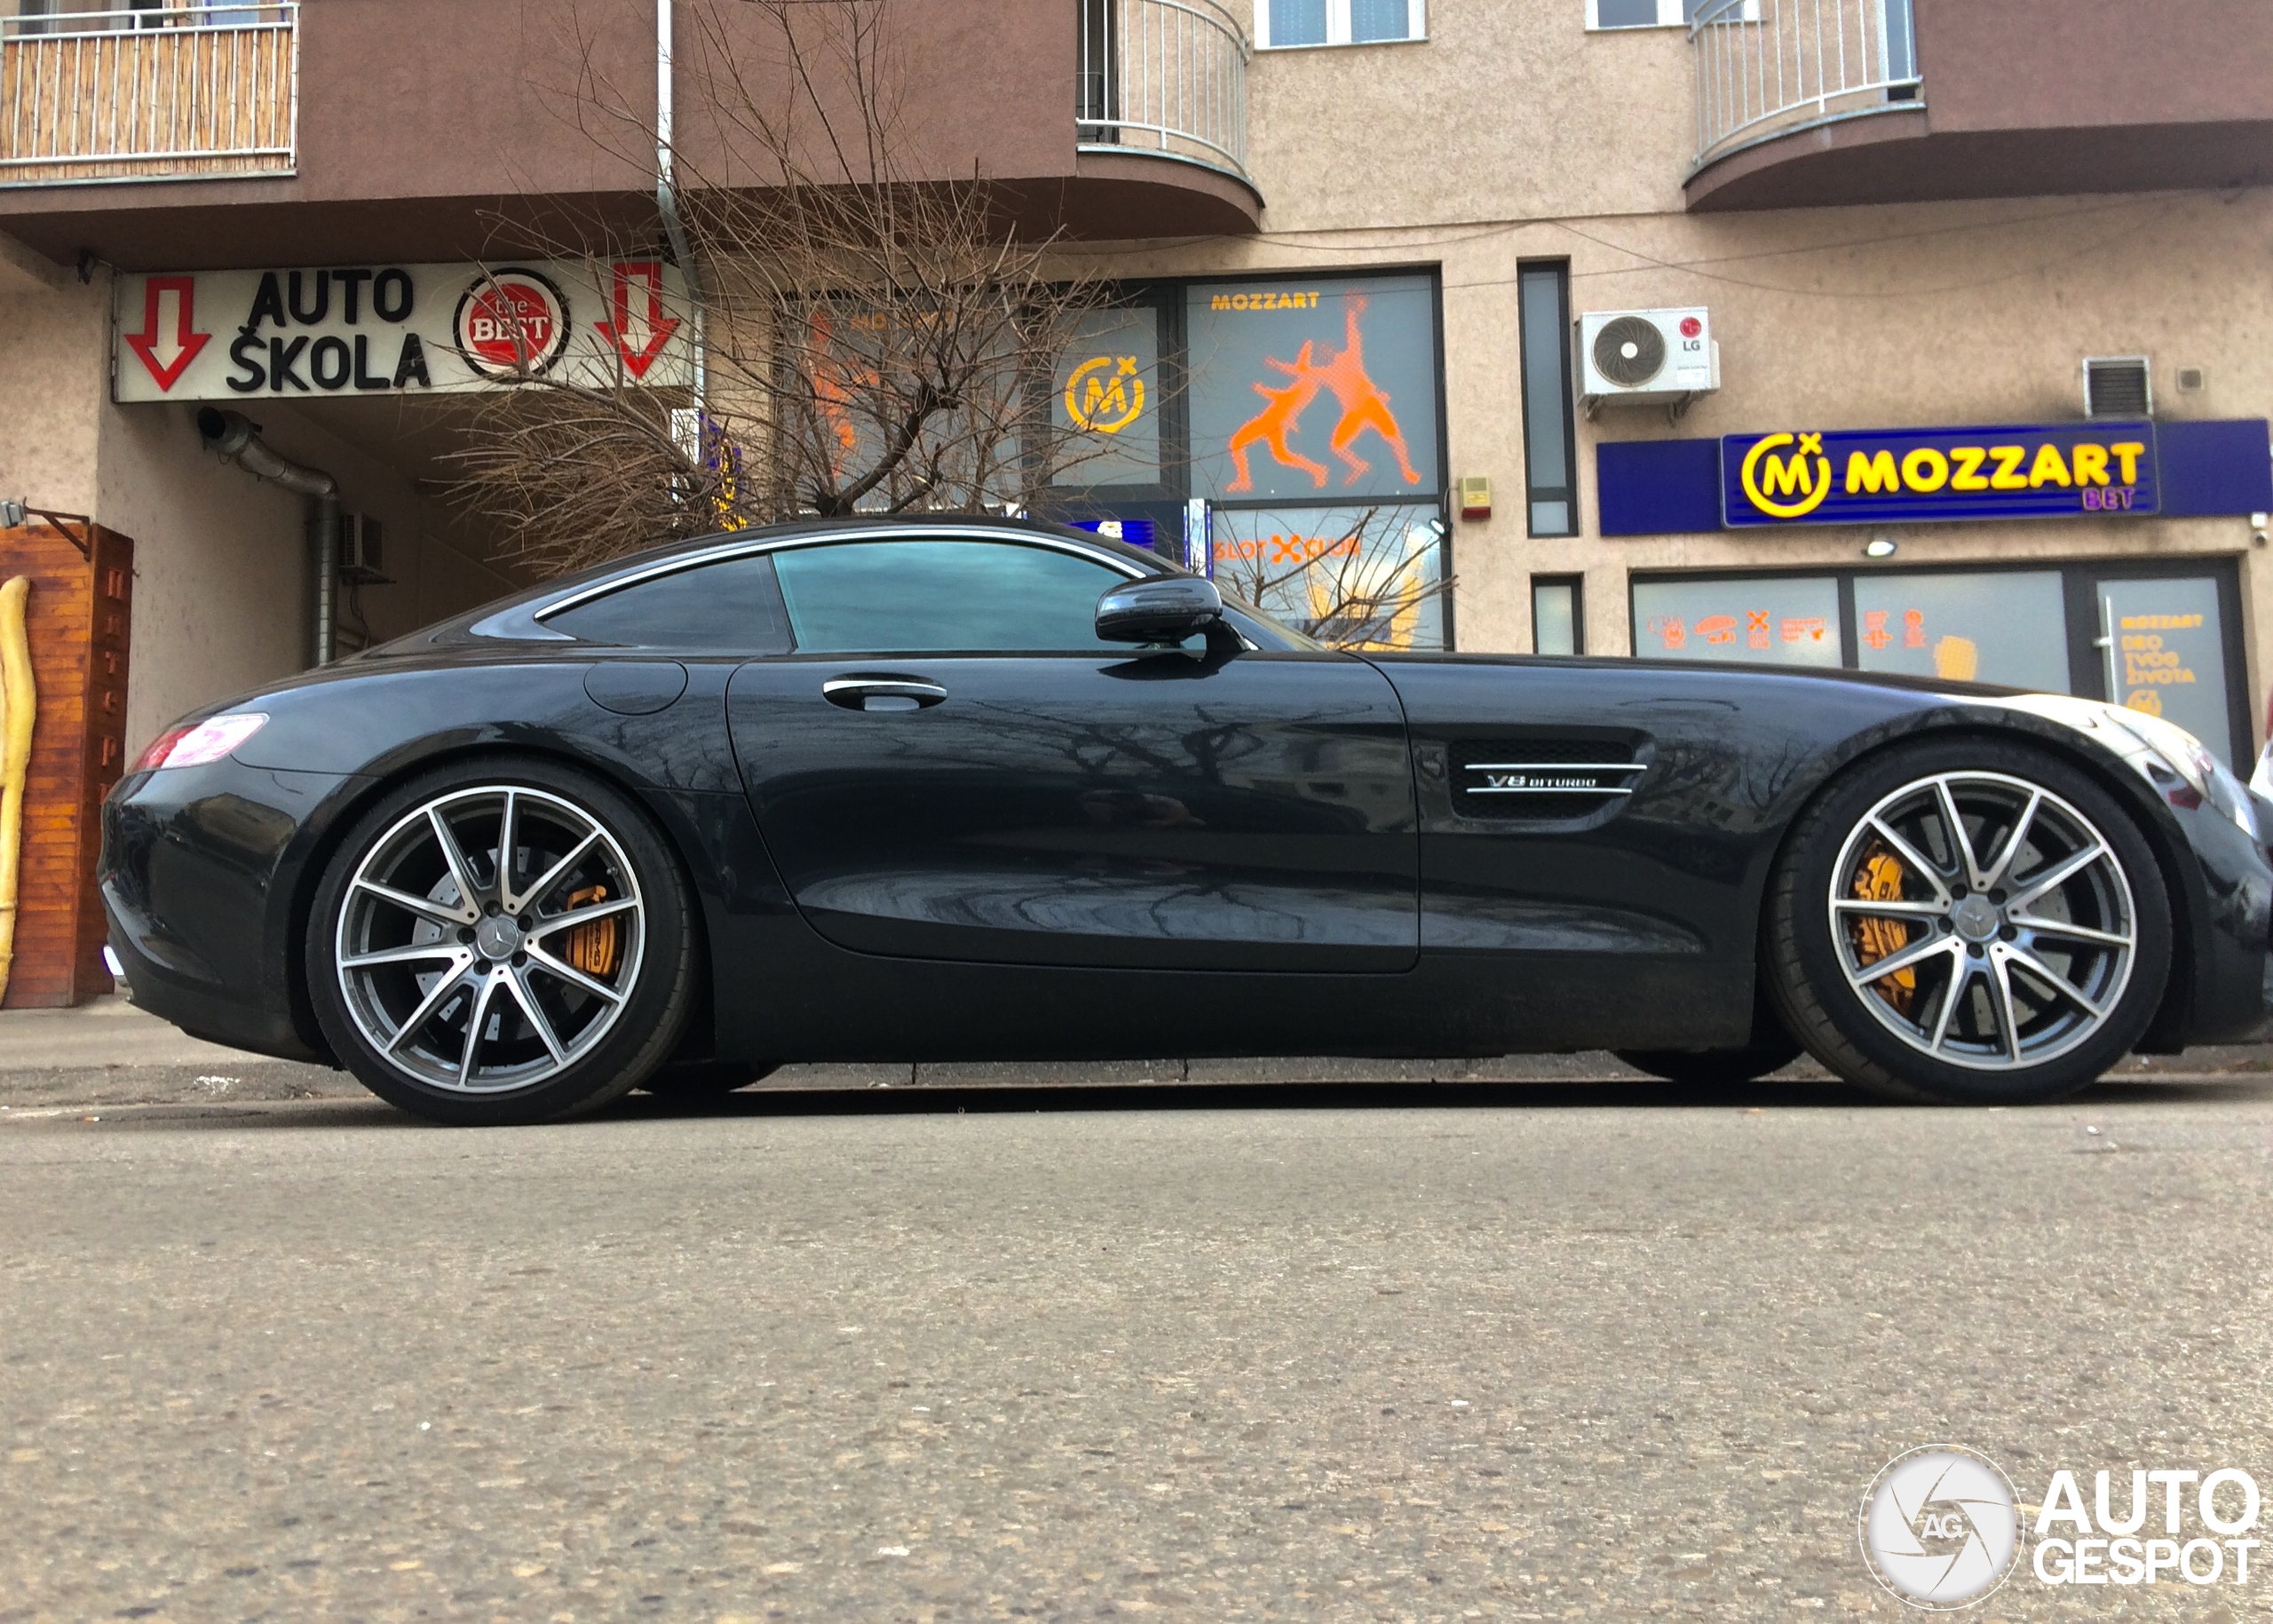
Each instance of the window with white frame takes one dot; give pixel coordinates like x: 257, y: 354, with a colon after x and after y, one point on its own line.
x: 1644, y: 13
x: 1281, y: 25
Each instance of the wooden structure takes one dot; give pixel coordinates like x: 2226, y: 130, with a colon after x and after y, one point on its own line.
x: 80, y: 622
x: 161, y: 91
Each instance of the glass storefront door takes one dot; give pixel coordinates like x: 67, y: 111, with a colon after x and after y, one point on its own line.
x: 2164, y: 642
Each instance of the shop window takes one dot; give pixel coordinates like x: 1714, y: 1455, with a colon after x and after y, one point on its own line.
x: 1558, y: 621
x: 1104, y: 402
x: 1281, y: 25
x: 1550, y: 438
x: 1311, y: 403
x: 1355, y: 576
x: 1314, y: 388
x: 1774, y: 619
x: 2002, y: 627
x: 2162, y: 644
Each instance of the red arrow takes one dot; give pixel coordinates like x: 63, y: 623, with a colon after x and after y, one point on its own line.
x: 620, y: 332
x: 167, y: 361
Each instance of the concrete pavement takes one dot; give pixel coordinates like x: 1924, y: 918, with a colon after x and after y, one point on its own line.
x: 1388, y: 1351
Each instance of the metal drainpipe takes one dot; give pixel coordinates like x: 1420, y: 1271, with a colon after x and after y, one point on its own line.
x: 667, y: 202
x: 232, y: 435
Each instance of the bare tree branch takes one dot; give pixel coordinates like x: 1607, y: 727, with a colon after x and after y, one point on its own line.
x: 878, y: 339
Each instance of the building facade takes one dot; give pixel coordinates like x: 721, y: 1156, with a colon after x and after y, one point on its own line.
x: 1901, y: 334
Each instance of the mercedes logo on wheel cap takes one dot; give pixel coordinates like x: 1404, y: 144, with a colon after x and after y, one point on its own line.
x: 1941, y: 1527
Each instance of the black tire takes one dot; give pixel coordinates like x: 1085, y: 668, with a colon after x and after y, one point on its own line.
x: 1964, y: 1029
x: 1715, y: 1067
x: 705, y: 1079
x: 651, y: 968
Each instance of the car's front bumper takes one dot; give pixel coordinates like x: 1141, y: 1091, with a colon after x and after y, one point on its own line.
x: 201, y: 875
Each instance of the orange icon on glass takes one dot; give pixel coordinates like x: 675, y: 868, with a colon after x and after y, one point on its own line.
x: 1365, y: 404
x: 1277, y: 419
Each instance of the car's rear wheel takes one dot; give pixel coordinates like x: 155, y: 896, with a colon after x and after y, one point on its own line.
x: 1971, y: 921
x: 501, y: 941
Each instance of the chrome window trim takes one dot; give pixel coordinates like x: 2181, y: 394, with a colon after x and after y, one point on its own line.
x: 738, y: 550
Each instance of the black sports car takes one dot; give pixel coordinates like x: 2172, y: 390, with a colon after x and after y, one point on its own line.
x: 962, y: 789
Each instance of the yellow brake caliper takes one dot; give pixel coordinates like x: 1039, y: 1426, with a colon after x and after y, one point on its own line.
x: 1881, y: 881
x: 591, y: 948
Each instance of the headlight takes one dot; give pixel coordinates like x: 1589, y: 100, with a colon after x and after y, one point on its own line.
x: 200, y: 742
x: 2189, y: 762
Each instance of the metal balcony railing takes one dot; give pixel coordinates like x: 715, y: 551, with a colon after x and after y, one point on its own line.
x: 170, y: 90
x: 1168, y: 76
x: 1765, y: 68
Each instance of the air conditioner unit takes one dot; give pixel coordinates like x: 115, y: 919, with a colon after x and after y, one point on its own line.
x: 360, y: 552
x: 1646, y: 358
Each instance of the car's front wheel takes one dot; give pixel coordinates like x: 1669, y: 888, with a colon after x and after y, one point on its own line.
x: 1972, y: 920
x: 501, y: 941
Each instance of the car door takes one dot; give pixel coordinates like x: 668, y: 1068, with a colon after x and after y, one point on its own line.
x: 951, y: 765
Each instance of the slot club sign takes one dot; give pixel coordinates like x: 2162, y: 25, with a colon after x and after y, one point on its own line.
x: 1911, y: 476
x: 296, y: 333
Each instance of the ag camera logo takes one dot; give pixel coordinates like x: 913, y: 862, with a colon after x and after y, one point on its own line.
x: 1941, y: 1527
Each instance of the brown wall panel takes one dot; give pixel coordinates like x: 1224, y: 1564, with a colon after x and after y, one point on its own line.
x: 80, y: 622
x: 2090, y: 64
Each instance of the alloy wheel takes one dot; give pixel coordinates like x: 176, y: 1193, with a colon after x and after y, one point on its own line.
x: 1984, y: 921
x: 490, y: 939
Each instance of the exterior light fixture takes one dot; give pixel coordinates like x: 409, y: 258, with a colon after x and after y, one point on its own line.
x: 1879, y: 547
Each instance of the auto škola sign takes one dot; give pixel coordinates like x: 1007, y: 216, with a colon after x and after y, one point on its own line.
x: 304, y: 332
x: 1910, y: 476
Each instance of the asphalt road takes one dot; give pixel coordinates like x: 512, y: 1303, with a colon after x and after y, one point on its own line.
x: 1500, y: 1350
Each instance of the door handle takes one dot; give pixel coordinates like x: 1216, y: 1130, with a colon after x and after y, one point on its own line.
x: 881, y: 692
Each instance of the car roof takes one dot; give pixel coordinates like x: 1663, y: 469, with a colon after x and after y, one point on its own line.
x: 520, y: 608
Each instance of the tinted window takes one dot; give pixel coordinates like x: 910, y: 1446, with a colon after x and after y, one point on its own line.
x: 887, y: 597
x: 733, y: 604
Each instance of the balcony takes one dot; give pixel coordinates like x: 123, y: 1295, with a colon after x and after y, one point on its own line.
x: 400, y: 131
x: 1771, y: 68
x: 1811, y: 103
x: 171, y: 92
x: 1162, y: 81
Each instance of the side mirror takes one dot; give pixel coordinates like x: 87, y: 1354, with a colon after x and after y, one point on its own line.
x: 1163, y: 609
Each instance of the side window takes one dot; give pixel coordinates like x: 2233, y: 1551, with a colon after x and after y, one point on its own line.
x: 911, y: 596
x: 733, y: 604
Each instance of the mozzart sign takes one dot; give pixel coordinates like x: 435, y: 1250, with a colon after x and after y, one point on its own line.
x: 407, y: 328
x: 1884, y: 476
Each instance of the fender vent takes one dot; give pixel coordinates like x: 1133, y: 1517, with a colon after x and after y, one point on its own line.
x: 1537, y: 782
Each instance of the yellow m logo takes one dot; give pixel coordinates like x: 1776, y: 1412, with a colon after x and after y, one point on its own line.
x: 1105, y: 400
x: 1786, y: 487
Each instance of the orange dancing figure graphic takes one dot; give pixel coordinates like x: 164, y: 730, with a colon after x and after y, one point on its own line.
x: 1277, y: 419
x: 835, y: 378
x: 1365, y: 404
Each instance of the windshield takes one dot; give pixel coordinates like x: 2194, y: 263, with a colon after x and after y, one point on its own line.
x: 1293, y: 639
